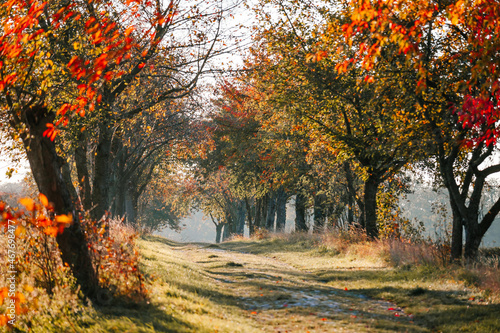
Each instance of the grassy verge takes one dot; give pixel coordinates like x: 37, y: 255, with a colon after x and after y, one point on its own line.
x: 443, y: 298
x: 294, y: 283
x: 180, y: 300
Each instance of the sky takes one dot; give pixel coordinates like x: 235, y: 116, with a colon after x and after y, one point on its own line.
x: 17, y: 175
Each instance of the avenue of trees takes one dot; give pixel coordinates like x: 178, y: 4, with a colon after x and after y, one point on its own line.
x: 96, y: 93
x: 336, y: 103
x: 338, y: 98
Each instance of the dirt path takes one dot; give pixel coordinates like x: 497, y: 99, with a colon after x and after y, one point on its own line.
x: 281, y: 298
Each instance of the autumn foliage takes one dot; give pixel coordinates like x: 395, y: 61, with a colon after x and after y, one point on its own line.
x: 31, y: 30
x: 40, y: 273
x: 470, y: 26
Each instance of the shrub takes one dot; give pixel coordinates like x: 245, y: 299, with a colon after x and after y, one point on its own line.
x: 46, y: 293
x: 115, y: 258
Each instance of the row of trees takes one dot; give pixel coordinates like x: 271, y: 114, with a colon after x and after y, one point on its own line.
x: 338, y: 97
x: 96, y: 93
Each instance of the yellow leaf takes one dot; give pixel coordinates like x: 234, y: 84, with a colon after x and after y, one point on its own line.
x: 20, y: 297
x: 28, y: 288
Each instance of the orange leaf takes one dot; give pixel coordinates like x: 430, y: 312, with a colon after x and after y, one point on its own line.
x: 28, y: 203
x: 64, y: 218
x: 128, y: 31
x: 43, y: 200
x: 51, y: 231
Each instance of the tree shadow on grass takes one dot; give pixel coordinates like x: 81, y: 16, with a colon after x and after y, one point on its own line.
x: 441, y: 310
x: 448, y: 310
x: 255, y: 247
x: 265, y: 293
x: 163, y: 240
x: 144, y: 316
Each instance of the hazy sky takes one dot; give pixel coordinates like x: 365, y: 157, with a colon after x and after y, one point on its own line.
x: 5, y: 163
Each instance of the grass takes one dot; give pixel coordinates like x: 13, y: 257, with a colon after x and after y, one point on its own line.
x: 179, y: 301
x: 441, y: 298
x: 289, y: 283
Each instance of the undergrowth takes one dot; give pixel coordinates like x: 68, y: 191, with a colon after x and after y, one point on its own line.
x: 38, y: 293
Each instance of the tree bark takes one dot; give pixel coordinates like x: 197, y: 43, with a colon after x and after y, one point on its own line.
x: 456, y: 234
x: 370, y: 205
x: 131, y: 205
x: 281, y: 210
x: 258, y: 212
x: 227, y: 231
x: 218, y: 232
x: 102, y: 173
x: 472, y: 242
x: 351, y: 190
x: 240, y: 219
x: 82, y: 172
x: 249, y: 218
x: 271, y: 212
x: 46, y: 168
x: 350, y: 209
x: 300, y: 213
x: 319, y: 213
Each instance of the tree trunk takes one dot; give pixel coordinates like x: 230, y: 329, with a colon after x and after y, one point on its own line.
x: 120, y: 200
x: 472, y: 242
x: 46, y: 168
x: 249, y: 218
x: 218, y: 232
x: 271, y: 212
x: 102, y: 173
x: 281, y: 210
x: 350, y: 209
x: 82, y: 172
x: 456, y: 234
x: 370, y: 204
x: 240, y: 221
x: 319, y: 213
x: 66, y: 174
x: 131, y: 206
x: 258, y: 212
x: 300, y: 213
x: 351, y: 190
x: 227, y: 231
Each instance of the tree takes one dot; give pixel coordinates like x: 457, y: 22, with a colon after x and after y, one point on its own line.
x: 448, y: 47
x: 32, y: 74
x: 355, y: 114
x: 67, y: 58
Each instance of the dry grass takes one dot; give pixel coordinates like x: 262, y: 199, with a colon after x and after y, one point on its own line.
x: 415, y: 276
x: 353, y: 245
